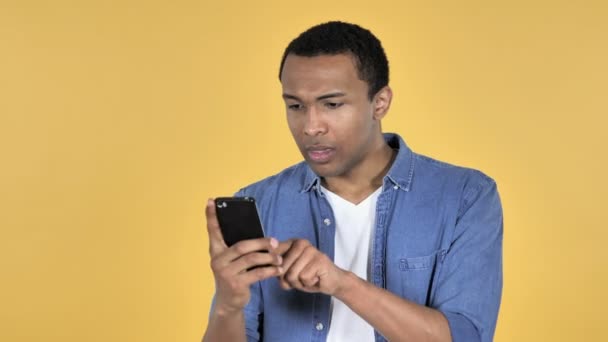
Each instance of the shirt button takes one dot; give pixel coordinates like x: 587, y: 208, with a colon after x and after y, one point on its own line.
x: 396, y: 187
x: 319, y: 326
x: 327, y: 222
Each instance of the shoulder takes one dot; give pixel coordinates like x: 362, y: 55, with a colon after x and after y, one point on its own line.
x: 466, y: 191
x: 291, y: 179
x: 463, y: 184
x: 428, y: 167
x: 429, y: 175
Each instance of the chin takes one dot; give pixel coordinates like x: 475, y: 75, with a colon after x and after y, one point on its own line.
x: 324, y: 170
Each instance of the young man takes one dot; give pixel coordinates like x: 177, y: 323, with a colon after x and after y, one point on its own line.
x: 367, y: 240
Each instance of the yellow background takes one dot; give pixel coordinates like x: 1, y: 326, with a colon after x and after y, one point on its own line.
x: 119, y: 118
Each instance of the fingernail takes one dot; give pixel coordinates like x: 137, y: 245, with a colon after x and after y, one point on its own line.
x: 280, y: 270
x: 280, y: 259
x: 210, y: 201
x: 274, y: 243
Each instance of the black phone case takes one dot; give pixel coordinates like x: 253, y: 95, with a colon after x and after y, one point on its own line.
x: 238, y: 218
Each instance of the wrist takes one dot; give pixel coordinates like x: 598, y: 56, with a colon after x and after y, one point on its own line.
x: 222, y: 311
x: 348, y: 286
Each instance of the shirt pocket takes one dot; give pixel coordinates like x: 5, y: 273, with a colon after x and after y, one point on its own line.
x: 417, y: 277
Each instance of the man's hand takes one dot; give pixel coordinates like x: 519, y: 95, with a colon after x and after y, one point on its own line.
x: 308, y: 269
x: 232, y: 266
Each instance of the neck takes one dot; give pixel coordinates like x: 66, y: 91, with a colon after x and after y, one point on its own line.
x: 358, y: 184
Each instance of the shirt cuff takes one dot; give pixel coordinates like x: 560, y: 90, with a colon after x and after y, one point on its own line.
x: 461, y: 328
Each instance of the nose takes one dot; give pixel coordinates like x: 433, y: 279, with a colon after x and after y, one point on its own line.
x: 315, y: 124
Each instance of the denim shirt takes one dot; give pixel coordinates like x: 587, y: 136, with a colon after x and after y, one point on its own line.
x: 437, y: 241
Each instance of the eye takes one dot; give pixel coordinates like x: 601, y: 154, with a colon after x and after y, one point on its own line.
x: 295, y: 106
x: 333, y: 105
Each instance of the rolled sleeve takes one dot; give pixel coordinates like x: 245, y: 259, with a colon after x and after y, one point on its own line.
x: 470, y: 282
x: 254, y: 315
x: 461, y: 328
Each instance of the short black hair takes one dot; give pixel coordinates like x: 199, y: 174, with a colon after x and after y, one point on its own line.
x: 336, y: 37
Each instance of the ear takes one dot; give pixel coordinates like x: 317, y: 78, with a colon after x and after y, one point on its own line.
x: 382, y: 102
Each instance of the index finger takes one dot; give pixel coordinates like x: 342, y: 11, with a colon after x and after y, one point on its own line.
x: 216, y: 239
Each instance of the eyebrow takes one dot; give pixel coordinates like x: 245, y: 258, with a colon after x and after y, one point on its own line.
x: 322, y: 97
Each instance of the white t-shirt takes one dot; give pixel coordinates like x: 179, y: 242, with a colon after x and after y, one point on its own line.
x: 354, y: 227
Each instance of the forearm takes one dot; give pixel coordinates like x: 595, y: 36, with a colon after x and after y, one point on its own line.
x: 224, y: 326
x: 395, y: 318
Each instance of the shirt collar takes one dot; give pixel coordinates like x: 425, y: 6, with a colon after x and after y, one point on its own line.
x: 400, y: 175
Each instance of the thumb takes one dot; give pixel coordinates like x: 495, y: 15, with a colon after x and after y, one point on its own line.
x: 283, y: 247
x: 216, y: 239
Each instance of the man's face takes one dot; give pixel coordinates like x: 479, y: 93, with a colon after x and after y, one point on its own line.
x: 329, y: 113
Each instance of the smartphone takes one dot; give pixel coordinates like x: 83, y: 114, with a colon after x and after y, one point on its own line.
x: 238, y: 218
